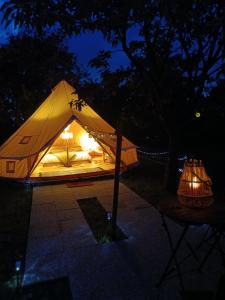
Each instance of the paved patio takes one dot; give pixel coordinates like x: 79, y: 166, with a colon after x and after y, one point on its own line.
x: 61, y: 244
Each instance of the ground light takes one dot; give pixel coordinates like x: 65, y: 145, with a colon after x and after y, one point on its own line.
x: 109, y: 216
x: 18, y: 274
x: 18, y: 266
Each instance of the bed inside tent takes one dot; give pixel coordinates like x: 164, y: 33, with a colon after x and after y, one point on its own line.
x: 74, y: 151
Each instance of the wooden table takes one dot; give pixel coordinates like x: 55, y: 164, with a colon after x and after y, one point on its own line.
x: 213, y: 216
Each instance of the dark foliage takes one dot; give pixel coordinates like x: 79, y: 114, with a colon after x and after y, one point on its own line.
x: 178, y: 52
x: 31, y: 67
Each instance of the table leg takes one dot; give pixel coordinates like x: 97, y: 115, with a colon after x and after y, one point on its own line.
x: 193, y: 252
x: 193, y: 249
x: 205, y: 238
x: 173, y: 255
x: 217, y: 238
x: 220, y: 248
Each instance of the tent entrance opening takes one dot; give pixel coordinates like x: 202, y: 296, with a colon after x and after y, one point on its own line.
x: 73, y: 152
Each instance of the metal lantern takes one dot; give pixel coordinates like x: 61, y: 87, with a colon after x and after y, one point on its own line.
x: 195, y: 185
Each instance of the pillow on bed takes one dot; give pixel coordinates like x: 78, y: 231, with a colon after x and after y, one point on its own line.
x: 81, y: 155
x: 95, y: 153
x: 50, y: 158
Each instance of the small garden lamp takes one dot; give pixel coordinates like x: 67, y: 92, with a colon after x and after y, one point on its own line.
x: 109, y: 216
x: 18, y: 274
x: 18, y: 266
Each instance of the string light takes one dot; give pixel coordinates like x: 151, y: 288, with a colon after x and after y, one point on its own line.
x: 100, y: 134
x: 152, y: 153
x: 160, y: 156
x: 183, y: 158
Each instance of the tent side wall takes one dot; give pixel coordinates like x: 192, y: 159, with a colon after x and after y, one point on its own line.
x: 129, y: 157
x: 40, y: 129
x: 10, y: 168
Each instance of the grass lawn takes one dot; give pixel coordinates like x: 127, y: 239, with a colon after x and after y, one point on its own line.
x: 15, y: 207
x: 147, y: 180
x: 56, y: 289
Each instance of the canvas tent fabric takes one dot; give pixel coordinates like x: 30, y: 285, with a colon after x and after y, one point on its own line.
x: 21, y: 153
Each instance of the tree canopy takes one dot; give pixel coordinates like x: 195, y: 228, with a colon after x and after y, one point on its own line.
x: 178, y: 48
x: 177, y: 51
x: 31, y: 67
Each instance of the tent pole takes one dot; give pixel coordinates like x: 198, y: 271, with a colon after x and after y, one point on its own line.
x: 67, y: 154
x: 117, y: 177
x: 36, y: 162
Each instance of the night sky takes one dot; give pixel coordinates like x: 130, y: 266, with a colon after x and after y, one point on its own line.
x: 88, y: 45
x: 85, y: 47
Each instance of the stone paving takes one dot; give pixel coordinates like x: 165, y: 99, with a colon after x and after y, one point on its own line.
x: 61, y: 244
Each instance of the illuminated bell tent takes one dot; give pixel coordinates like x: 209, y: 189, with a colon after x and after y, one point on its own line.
x: 195, y: 185
x: 58, y: 141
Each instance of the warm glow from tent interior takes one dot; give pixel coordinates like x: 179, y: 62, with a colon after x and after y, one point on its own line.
x: 195, y: 183
x: 67, y: 128
x: 66, y: 135
x: 88, y: 143
x: 83, y: 155
x: 49, y: 157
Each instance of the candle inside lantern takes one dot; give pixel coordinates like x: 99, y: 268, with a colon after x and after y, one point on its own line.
x: 194, y: 184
